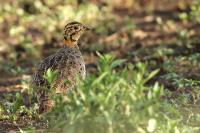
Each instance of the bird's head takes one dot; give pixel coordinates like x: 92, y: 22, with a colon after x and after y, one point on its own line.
x: 72, y: 32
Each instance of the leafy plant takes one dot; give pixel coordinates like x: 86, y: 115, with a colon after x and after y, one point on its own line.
x: 194, y: 13
x: 112, y: 102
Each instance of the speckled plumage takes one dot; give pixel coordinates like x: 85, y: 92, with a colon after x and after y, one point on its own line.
x: 67, y: 62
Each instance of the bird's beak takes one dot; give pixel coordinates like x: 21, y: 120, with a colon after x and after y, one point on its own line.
x: 87, y: 28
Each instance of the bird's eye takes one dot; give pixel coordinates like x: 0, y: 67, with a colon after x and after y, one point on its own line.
x: 76, y: 27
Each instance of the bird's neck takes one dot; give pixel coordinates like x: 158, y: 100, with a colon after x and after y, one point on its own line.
x: 69, y: 43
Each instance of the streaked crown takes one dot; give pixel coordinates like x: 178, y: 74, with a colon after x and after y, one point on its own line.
x: 73, y: 31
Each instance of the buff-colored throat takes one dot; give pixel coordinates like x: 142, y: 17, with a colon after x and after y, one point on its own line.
x: 69, y: 43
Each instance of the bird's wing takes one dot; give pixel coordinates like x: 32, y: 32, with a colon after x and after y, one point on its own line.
x: 51, y: 62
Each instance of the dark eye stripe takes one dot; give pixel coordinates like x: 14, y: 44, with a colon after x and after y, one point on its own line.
x: 70, y: 30
x: 76, y: 27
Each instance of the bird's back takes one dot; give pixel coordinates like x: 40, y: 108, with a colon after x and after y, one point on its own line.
x: 69, y: 64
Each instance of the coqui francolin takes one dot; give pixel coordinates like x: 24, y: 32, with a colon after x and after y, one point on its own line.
x: 67, y: 62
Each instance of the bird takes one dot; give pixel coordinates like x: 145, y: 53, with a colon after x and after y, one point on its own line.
x: 68, y: 63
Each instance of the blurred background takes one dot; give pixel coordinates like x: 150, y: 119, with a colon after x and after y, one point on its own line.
x: 160, y: 35
x: 137, y: 30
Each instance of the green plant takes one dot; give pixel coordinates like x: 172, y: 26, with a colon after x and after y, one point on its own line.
x: 113, y: 101
x: 193, y: 15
